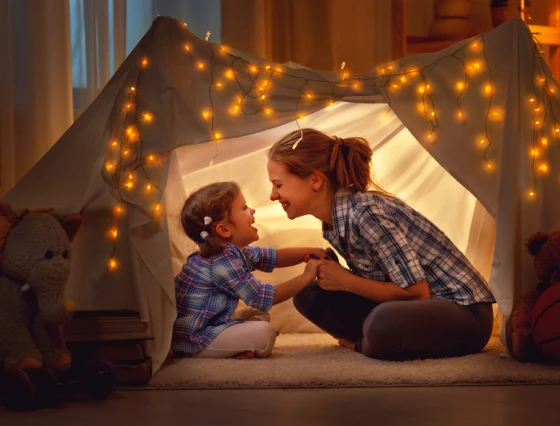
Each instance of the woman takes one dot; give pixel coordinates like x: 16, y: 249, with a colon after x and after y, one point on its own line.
x: 410, y: 293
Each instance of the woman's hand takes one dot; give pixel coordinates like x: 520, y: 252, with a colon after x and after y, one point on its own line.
x: 333, y: 277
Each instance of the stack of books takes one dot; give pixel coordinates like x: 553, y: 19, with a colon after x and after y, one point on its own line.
x: 115, y: 336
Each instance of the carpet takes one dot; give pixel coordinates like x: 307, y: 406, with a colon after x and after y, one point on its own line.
x: 316, y: 361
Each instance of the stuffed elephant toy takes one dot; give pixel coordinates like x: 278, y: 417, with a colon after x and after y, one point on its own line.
x: 34, y: 268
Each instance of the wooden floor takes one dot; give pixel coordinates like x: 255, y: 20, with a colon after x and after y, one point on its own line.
x: 419, y: 406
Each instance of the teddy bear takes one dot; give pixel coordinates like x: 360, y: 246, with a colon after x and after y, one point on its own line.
x: 34, y: 268
x: 545, y: 249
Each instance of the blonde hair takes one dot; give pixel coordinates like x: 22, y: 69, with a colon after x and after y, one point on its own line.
x: 215, y: 201
x: 345, y: 162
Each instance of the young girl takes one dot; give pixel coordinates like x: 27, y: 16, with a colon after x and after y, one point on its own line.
x: 213, y: 280
x: 410, y: 292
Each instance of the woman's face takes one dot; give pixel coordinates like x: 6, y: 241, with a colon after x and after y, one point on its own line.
x: 294, y: 193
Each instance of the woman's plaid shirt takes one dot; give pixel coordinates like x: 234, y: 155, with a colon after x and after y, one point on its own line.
x: 383, y: 239
x: 207, y: 292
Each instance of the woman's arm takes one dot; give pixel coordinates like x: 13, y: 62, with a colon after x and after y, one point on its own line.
x: 293, y: 256
x: 333, y: 276
x: 380, y: 291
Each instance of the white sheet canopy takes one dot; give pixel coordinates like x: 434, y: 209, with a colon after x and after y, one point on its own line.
x: 181, y: 112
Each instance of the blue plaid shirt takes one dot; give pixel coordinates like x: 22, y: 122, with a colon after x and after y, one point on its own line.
x: 383, y: 239
x: 207, y: 292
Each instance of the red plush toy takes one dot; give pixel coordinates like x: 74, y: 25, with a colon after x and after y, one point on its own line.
x: 533, y: 329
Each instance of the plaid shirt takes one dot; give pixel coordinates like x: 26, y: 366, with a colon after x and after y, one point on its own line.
x: 207, y: 292
x: 384, y: 239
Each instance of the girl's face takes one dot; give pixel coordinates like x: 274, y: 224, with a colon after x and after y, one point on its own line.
x: 241, y: 221
x: 294, y: 193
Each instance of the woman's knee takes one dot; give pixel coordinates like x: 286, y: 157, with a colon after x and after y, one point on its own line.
x: 305, y: 299
x: 380, y: 332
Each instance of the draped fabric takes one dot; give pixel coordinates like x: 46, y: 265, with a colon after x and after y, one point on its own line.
x: 197, y: 135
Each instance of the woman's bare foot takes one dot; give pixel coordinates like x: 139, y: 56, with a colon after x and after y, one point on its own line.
x: 244, y: 355
x: 346, y: 343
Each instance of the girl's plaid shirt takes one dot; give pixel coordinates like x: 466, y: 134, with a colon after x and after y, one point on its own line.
x: 208, y: 290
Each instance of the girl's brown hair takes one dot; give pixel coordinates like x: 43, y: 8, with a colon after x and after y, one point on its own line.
x: 215, y: 201
x: 344, y: 162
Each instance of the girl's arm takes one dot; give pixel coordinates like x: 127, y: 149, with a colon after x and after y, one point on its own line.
x: 293, y: 256
x: 290, y: 288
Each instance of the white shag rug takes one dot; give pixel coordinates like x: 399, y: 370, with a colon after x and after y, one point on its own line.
x: 316, y: 361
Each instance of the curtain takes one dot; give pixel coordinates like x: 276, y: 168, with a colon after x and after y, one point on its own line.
x: 58, y: 56
x: 35, y: 83
x: 318, y: 34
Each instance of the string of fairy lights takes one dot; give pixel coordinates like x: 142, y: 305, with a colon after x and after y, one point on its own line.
x: 127, y: 166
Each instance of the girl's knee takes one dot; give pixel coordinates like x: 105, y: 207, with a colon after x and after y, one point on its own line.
x: 266, y: 340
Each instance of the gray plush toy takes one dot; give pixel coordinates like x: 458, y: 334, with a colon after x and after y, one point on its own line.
x: 34, y: 268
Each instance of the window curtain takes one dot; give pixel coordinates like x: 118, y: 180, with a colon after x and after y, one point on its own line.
x: 58, y: 56
x: 35, y: 83
x: 318, y: 34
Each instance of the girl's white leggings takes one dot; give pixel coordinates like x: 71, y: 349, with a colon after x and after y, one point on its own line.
x: 256, y: 334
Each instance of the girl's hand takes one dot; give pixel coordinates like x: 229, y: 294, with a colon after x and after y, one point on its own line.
x: 332, y: 276
x: 312, y: 268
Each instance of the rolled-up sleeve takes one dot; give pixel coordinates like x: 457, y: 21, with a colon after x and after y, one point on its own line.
x: 388, y: 247
x: 263, y: 259
x: 232, y: 278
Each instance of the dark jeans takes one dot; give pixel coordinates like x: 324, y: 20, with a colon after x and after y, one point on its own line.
x: 398, y: 330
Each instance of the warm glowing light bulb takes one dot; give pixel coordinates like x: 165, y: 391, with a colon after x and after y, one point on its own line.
x: 125, y: 152
x: 217, y: 135
x: 460, y: 85
x: 229, y: 74
x: 489, y: 165
x: 421, y: 89
x: 531, y: 193
x: 543, y: 168
x: 488, y: 89
x: 129, y: 185
x: 148, y: 117
x: 557, y: 130
x: 117, y: 210
x: 144, y: 62
x: 403, y: 78
x: 433, y: 113
x: 459, y: 114
x: 544, y: 141
x: 268, y: 67
x: 133, y: 88
x: 149, y: 187
x: 158, y: 206
x: 268, y: 111
x: 537, y: 122
x: 113, y: 264
x: 482, y: 141
x: 113, y: 233
x: 254, y: 68
x: 200, y: 65
x: 187, y: 48
x: 535, y: 152
x: 109, y: 167
x: 114, y: 144
x: 206, y: 114
x: 151, y: 158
